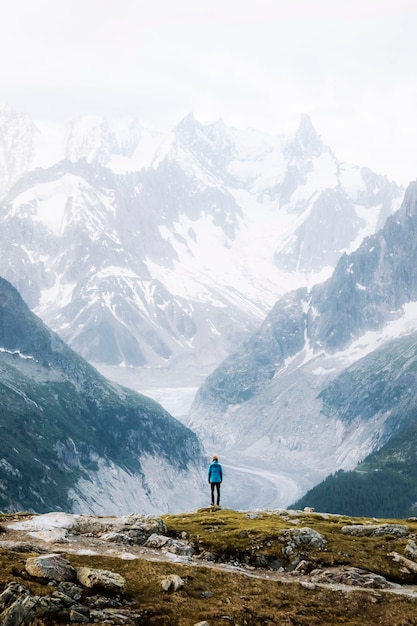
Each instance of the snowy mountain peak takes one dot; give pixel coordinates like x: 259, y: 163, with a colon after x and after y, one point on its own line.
x: 209, y: 142
x: 409, y: 206
x: 187, y: 125
x: 94, y: 138
x: 223, y: 222
x: 306, y: 141
x: 17, y: 134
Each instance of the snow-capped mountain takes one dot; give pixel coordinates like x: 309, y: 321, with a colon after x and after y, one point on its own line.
x: 163, y: 252
x: 299, y: 394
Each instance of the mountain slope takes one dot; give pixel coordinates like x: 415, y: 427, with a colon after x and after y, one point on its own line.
x: 71, y: 439
x: 385, y: 482
x: 268, y: 400
x: 81, y: 251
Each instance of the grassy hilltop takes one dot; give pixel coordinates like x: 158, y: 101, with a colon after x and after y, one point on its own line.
x: 255, y: 568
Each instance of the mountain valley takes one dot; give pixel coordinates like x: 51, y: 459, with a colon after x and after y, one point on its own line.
x: 231, y: 275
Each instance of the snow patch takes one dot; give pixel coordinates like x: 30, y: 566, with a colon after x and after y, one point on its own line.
x: 47, y: 202
x: 323, y: 371
x: 50, y: 527
x: 16, y: 353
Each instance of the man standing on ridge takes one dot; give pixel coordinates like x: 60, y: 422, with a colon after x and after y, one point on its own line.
x: 215, y: 477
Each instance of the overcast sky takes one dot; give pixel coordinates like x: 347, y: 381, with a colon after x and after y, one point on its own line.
x: 350, y: 64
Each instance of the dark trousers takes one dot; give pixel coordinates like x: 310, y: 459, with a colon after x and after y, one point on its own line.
x: 213, y: 486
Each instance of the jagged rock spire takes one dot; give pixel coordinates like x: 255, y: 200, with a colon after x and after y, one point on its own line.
x: 306, y: 141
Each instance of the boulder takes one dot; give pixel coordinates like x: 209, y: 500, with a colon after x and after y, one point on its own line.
x: 411, y: 566
x: 411, y: 549
x: 52, y: 566
x: 176, y: 546
x: 19, y: 608
x: 134, y: 528
x: 376, y: 530
x: 105, y: 579
x: 352, y: 576
x: 156, y: 541
x: 306, y: 536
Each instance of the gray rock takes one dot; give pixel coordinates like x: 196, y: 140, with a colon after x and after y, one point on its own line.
x: 375, y: 530
x: 352, y: 576
x: 90, y: 577
x: 18, y: 607
x: 177, y: 546
x: 10, y: 593
x: 120, y: 538
x: 71, y: 589
x: 21, y: 546
x: 411, y: 549
x: 20, y: 613
x: 303, y: 567
x: 156, y: 541
x: 261, y: 561
x: 277, y: 564
x: 304, y: 536
x: 135, y: 526
x: 52, y: 566
x: 411, y: 566
x: 76, y: 616
x: 182, y: 548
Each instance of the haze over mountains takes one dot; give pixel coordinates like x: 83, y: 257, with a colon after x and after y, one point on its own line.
x: 155, y: 257
x: 173, y: 263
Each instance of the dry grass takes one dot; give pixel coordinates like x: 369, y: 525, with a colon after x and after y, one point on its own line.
x: 253, y: 602
x: 223, y: 597
x: 232, y: 535
x: 232, y: 598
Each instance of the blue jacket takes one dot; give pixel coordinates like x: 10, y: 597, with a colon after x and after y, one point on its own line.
x: 215, y: 472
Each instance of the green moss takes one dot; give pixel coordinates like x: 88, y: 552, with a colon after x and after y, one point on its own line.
x: 232, y: 535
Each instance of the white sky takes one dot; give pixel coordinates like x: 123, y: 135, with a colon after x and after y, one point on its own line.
x: 350, y: 64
